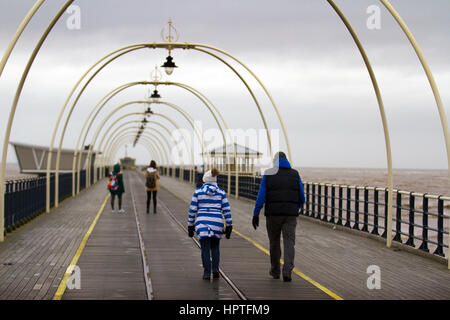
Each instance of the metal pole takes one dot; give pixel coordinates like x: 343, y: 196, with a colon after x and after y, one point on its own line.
x: 434, y: 88
x: 18, y: 33
x: 69, y: 115
x: 383, y: 118
x: 13, y: 110
x: 99, y: 106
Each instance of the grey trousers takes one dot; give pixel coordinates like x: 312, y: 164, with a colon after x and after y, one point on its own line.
x: 275, y: 226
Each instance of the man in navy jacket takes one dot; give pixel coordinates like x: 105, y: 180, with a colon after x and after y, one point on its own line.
x: 282, y: 195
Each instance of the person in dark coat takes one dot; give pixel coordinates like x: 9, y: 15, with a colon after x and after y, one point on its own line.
x: 282, y: 195
x: 116, y: 187
x: 151, y: 170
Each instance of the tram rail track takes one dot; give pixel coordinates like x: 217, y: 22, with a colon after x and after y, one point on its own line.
x: 145, y: 262
x: 240, y: 294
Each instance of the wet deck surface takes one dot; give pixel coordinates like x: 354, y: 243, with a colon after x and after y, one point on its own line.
x: 338, y: 260
x: 34, y: 258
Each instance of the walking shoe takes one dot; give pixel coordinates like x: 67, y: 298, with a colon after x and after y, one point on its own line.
x: 121, y: 211
x: 287, y: 278
x: 113, y: 210
x: 215, y: 274
x: 275, y: 276
x: 206, y: 277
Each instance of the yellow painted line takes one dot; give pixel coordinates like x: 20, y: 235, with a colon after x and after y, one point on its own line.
x: 260, y: 247
x: 62, y: 286
x: 295, y: 270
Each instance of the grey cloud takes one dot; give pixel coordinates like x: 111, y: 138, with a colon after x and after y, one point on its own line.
x: 264, y: 34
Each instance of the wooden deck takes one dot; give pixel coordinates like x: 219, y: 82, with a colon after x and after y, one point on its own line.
x: 338, y: 260
x: 34, y: 258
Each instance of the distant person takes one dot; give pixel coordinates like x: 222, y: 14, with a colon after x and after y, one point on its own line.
x: 151, y: 184
x: 209, y: 207
x: 115, y: 187
x: 198, y: 176
x: 282, y: 193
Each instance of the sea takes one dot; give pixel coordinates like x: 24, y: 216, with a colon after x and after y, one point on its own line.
x: 414, y: 180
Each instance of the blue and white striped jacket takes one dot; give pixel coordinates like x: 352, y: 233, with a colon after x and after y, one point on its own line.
x: 209, y: 207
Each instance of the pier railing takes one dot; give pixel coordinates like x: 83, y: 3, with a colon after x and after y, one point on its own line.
x: 419, y: 220
x: 25, y: 198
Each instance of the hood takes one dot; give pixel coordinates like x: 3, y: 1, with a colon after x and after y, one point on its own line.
x: 282, y: 163
x: 116, y: 168
x: 150, y: 169
x: 210, y: 188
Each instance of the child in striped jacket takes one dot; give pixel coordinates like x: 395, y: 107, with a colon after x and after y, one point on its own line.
x: 207, y: 212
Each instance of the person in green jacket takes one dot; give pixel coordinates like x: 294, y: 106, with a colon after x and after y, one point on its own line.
x: 115, y: 187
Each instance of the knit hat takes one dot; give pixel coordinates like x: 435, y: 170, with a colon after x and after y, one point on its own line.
x: 210, y: 175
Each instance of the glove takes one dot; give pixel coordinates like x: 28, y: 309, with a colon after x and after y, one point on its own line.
x: 191, y: 230
x: 255, y: 221
x: 228, y: 230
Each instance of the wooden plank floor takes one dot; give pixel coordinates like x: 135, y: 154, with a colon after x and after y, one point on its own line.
x: 33, y: 258
x: 111, y: 264
x: 244, y: 264
x: 338, y: 260
x: 175, y: 261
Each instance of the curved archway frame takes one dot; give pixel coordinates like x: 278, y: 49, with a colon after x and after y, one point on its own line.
x: 65, y: 6
x: 178, y: 127
x: 166, y: 159
x: 173, y: 106
x: 130, y: 114
x: 135, y: 122
x: 117, y: 90
x: 125, y: 139
x: 149, y: 146
x: 185, y: 114
x: 150, y: 122
x: 234, y: 70
x: 164, y: 155
x: 128, y: 139
x: 170, y: 120
x: 146, y: 143
x: 115, y: 146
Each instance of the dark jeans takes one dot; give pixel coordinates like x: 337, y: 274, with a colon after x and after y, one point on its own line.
x: 149, y: 198
x: 210, y: 251
x: 275, y: 226
x: 113, y: 196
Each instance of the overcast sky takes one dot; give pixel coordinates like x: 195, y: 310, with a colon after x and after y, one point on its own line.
x: 299, y: 49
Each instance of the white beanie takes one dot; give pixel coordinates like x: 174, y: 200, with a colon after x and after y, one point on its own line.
x: 207, y: 177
